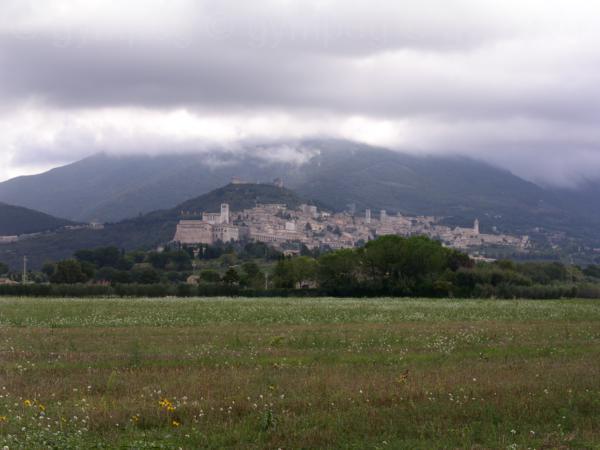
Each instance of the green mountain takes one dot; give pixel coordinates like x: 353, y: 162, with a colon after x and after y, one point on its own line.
x: 103, y: 188
x: 109, y: 189
x: 337, y: 173
x: 145, y: 231
x: 241, y: 196
x: 15, y: 220
x: 450, y: 186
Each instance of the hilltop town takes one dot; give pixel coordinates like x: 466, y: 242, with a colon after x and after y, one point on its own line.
x: 257, y: 212
x: 280, y: 226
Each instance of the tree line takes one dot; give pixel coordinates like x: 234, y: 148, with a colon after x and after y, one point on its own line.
x: 389, y: 265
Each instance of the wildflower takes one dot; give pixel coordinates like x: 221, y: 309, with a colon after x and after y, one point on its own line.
x: 28, y: 403
x: 166, y: 404
x: 176, y: 424
x: 3, y: 419
x: 41, y: 407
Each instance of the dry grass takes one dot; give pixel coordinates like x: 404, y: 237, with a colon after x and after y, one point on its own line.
x: 383, y: 376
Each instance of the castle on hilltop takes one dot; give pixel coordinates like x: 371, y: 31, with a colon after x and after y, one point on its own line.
x: 278, y: 225
x: 212, y: 228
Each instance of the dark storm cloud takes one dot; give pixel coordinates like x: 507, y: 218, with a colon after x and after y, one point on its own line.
x: 159, y: 75
x: 511, y: 83
x: 235, y: 55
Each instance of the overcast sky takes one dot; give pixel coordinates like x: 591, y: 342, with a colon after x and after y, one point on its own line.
x: 513, y: 82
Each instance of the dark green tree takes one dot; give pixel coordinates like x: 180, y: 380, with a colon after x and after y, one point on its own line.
x: 231, y: 277
x: 338, y: 271
x: 210, y: 276
x: 159, y: 260
x: 101, y: 257
x: 292, y: 272
x: 592, y: 271
x: 251, y: 269
x: 252, y: 276
x: 68, y: 272
x: 48, y: 269
x: 179, y: 261
x: 146, y: 275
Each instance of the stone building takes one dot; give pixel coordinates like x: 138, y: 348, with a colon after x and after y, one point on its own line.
x: 212, y: 228
x: 8, y: 239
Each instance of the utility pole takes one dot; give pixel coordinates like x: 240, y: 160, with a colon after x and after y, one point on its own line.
x: 24, y: 279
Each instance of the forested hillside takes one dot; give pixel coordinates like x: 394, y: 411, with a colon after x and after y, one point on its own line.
x: 15, y: 220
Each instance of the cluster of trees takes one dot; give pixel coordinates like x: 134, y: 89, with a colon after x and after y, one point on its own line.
x: 419, y: 266
x: 114, y: 266
x: 390, y: 265
x: 248, y: 275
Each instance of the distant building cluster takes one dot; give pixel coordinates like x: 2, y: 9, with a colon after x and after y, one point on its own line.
x: 86, y: 226
x: 278, y: 225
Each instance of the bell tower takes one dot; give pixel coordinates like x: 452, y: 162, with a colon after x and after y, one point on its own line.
x: 224, y: 213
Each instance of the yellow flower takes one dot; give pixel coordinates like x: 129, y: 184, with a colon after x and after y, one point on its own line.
x: 3, y: 419
x: 176, y: 424
x: 42, y: 407
x: 28, y: 403
x: 166, y: 404
x: 135, y: 419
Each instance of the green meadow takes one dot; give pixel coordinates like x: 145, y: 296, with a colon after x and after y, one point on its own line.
x: 296, y: 373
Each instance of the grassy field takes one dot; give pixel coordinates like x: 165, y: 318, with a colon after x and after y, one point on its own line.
x: 299, y: 373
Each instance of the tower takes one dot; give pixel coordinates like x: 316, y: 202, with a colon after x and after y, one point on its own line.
x: 224, y: 213
x: 476, y: 226
x: 367, y: 216
x: 382, y: 216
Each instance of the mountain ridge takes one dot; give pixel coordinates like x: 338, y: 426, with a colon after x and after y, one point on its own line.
x: 335, y: 172
x: 17, y: 220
